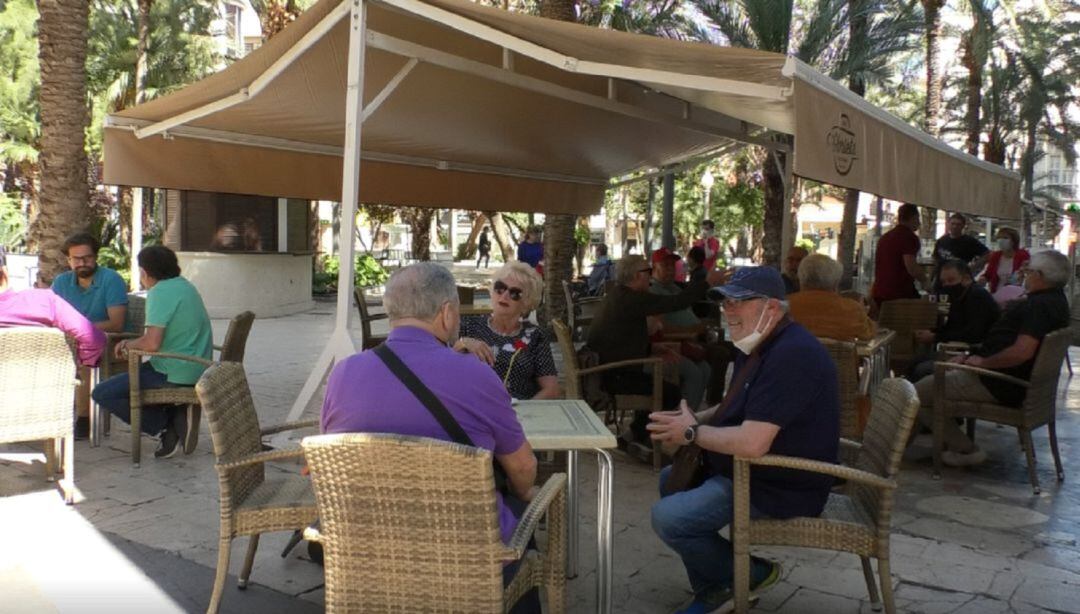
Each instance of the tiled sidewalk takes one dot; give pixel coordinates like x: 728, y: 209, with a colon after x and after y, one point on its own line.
x: 145, y: 540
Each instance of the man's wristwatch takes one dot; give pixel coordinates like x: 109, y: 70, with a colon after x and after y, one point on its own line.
x: 690, y: 434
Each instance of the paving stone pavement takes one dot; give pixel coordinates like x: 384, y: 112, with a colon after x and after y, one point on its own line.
x: 145, y: 540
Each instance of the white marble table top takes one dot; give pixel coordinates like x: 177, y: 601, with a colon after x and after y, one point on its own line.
x: 563, y: 425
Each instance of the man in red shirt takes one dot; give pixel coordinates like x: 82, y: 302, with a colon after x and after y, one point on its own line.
x: 895, y: 266
x: 709, y: 243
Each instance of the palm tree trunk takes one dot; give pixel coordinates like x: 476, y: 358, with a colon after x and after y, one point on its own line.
x: 502, y: 236
x: 468, y: 249
x: 845, y: 250
x: 65, y: 187
x: 972, y: 120
x: 932, y: 108
x: 776, y: 207
x: 558, y: 229
x: 419, y: 221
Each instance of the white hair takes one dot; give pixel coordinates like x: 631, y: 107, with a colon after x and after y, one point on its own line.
x: 1053, y: 265
x: 629, y: 266
x: 529, y: 281
x: 419, y: 291
x: 820, y: 272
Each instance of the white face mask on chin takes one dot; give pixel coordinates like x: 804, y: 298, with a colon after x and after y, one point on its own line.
x: 747, y: 344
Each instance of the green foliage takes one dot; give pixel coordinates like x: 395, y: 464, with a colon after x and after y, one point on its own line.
x: 12, y: 222
x: 19, y: 80
x: 180, y: 52
x: 581, y: 236
x: 368, y: 273
x: 806, y: 244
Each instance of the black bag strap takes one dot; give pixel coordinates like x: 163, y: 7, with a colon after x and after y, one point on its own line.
x: 424, y: 395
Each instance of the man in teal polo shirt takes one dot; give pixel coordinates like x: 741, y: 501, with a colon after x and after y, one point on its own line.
x: 98, y: 293
x: 176, y: 323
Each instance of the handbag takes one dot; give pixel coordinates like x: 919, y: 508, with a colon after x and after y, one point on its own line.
x: 432, y: 403
x: 688, y: 465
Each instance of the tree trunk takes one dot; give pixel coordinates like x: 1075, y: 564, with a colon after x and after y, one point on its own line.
x: 502, y: 237
x: 972, y: 120
x: 845, y: 249
x: 776, y: 207
x: 468, y: 249
x: 65, y: 189
x: 558, y: 229
x: 932, y: 108
x: 419, y: 220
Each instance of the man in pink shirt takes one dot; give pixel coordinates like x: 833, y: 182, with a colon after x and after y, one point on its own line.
x: 42, y: 308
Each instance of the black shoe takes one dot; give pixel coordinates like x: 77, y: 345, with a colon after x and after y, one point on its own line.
x: 82, y: 428
x: 168, y: 443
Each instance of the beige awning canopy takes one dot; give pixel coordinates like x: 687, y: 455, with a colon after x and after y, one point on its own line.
x: 472, y: 107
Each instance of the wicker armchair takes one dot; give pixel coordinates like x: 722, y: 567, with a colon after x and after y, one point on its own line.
x: 110, y: 365
x: 366, y: 318
x: 411, y: 524
x: 1038, y: 409
x: 582, y: 381
x: 251, y: 502
x: 233, y: 347
x: 37, y: 390
x: 858, y: 520
x: 847, y: 360
x: 905, y: 316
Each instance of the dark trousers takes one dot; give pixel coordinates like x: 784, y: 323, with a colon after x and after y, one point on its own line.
x: 530, y: 601
x: 485, y: 256
x: 114, y: 395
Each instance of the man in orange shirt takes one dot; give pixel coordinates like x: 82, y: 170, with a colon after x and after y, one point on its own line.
x: 819, y: 307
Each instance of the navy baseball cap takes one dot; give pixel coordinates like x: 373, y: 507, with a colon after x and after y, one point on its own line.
x: 751, y: 282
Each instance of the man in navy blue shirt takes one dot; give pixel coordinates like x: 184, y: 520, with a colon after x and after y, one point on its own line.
x: 787, y: 402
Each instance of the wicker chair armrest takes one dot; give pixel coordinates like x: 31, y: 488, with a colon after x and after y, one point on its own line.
x: 837, y: 471
x: 261, y: 457
x: 954, y: 366
x: 849, y: 451
x: 519, y: 541
x: 377, y: 316
x: 136, y: 354
x: 621, y: 364
x: 288, y: 426
x: 954, y: 346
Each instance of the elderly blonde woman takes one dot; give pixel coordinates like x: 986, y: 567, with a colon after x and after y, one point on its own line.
x: 819, y: 307
x: 519, y: 351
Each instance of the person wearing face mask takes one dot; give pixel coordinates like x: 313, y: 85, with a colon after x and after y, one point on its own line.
x: 784, y: 399
x: 1004, y: 265
x: 1010, y: 348
x: 363, y: 395
x: 972, y: 311
x: 709, y: 243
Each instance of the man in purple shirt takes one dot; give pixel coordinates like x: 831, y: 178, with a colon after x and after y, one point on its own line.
x: 42, y: 308
x: 363, y: 396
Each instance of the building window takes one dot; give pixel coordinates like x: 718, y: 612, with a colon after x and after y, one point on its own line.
x: 207, y: 221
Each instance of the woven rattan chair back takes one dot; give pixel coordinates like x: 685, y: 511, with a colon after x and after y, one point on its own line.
x: 568, y: 297
x: 895, y: 406
x: 37, y: 390
x: 905, y: 316
x: 572, y: 383
x: 37, y: 384
x: 1041, y: 399
x: 234, y: 426
x: 366, y: 318
x: 235, y: 343
x: 135, y: 319
x: 846, y: 357
x: 407, y: 524
x: 466, y: 295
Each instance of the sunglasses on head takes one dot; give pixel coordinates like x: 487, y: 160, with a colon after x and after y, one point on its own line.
x: 515, y: 293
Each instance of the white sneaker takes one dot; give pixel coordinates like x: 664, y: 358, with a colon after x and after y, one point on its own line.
x: 956, y: 459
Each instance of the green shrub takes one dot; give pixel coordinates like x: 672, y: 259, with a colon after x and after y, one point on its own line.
x: 368, y: 273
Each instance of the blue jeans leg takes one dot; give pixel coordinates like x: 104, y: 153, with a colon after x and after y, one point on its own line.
x: 114, y: 395
x: 689, y: 522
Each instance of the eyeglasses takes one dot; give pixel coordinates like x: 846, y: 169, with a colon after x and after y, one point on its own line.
x: 501, y: 288
x: 646, y: 270
x: 89, y: 258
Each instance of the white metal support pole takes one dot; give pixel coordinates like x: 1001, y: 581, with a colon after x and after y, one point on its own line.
x: 136, y: 236
x: 341, y: 344
x: 282, y: 224
x: 453, y: 234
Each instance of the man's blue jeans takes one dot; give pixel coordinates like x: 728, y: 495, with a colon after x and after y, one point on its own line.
x: 689, y: 522
x: 114, y: 395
